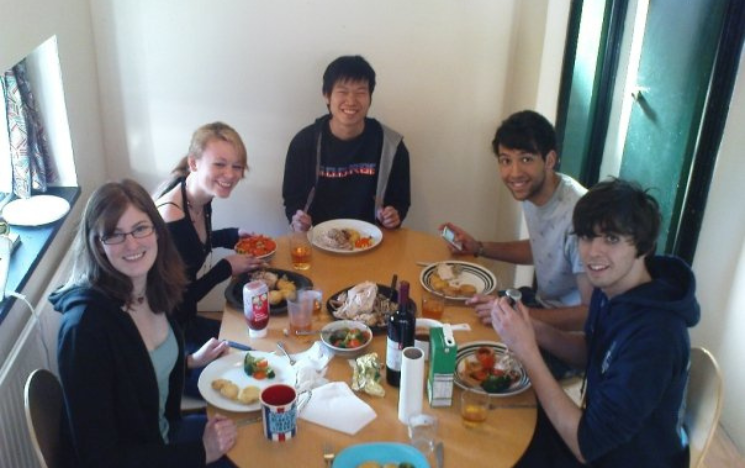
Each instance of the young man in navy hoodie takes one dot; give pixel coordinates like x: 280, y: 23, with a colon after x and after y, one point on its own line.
x: 634, y: 349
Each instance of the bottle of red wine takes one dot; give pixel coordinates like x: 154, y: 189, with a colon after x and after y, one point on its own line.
x: 401, y: 327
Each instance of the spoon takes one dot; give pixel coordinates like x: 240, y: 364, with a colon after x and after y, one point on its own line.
x: 281, y: 346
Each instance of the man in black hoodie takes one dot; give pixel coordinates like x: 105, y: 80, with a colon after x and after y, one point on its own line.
x: 357, y: 167
x: 635, y: 346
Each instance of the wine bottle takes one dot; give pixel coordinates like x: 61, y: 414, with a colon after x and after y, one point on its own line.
x: 401, y: 327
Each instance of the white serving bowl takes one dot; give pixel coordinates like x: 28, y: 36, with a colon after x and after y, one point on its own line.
x: 330, y: 328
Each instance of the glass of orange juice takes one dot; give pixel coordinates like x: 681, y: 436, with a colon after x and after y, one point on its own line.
x: 433, y: 306
x: 474, y: 407
x: 300, y: 250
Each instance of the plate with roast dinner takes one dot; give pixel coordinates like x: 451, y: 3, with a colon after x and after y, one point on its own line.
x: 345, y: 236
x: 490, y: 367
x: 457, y: 280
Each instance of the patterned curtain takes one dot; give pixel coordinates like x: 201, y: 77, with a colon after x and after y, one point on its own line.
x: 29, y: 154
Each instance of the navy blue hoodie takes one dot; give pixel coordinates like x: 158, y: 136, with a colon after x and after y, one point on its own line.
x: 638, y: 360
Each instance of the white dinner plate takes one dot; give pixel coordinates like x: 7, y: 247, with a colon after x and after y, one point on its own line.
x: 470, y: 273
x: 35, y: 211
x: 318, y: 234
x: 231, y: 367
x: 468, y: 350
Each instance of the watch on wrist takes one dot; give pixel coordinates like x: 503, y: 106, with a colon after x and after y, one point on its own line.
x: 480, y: 251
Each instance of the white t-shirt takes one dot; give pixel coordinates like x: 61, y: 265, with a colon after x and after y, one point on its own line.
x: 555, y: 252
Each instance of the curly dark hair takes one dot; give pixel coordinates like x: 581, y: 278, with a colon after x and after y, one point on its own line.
x: 528, y: 131
x: 620, y: 207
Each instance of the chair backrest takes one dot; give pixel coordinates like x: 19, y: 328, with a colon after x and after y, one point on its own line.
x: 704, y: 403
x: 44, y: 406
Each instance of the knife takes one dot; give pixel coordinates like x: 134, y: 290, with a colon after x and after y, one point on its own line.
x: 241, y: 346
x: 311, y: 195
x: 440, y: 455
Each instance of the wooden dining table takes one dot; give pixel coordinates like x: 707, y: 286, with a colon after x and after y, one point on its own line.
x: 499, y: 442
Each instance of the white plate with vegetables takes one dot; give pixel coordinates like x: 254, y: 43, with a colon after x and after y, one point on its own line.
x: 345, y: 236
x: 231, y: 368
x: 490, y: 367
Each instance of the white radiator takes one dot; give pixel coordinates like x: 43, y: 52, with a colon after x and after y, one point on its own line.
x: 36, y: 347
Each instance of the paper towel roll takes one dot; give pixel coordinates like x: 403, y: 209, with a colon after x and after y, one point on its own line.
x: 411, y: 393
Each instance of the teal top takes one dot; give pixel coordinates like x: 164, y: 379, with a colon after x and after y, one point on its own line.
x: 164, y: 358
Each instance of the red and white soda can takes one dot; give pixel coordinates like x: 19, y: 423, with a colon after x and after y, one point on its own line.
x: 256, y: 308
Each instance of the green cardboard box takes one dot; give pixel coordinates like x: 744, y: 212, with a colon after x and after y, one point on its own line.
x: 442, y: 353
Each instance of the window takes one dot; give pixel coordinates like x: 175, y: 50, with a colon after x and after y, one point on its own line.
x: 44, y: 73
x: 645, y: 131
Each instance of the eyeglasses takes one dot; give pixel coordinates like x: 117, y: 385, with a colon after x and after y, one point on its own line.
x: 137, y: 233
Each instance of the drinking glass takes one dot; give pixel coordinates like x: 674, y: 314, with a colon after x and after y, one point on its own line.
x: 433, y: 306
x: 423, y: 432
x: 300, y: 250
x: 300, y: 312
x: 474, y: 407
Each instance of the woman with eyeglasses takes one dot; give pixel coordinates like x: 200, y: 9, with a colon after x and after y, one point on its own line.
x: 120, y: 353
x: 214, y: 165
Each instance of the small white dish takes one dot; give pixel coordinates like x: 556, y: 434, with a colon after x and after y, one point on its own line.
x: 35, y: 211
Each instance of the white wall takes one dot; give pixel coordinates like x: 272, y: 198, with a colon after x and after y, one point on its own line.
x: 168, y: 67
x: 23, y: 27
x: 720, y: 266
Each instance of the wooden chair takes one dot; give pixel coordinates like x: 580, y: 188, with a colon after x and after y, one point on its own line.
x: 703, y: 403
x: 43, y: 402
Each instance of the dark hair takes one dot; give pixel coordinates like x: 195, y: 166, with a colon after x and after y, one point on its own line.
x: 166, y: 280
x: 348, y: 67
x: 619, y: 207
x: 528, y: 131
x: 199, y: 140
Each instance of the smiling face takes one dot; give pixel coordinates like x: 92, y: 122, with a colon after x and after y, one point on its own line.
x: 527, y: 175
x: 349, y: 101
x: 134, y: 257
x: 218, y: 169
x: 611, y: 262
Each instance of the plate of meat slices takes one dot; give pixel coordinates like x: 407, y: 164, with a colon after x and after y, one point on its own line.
x: 345, y: 236
x: 366, y: 302
x: 490, y: 367
x: 258, y: 245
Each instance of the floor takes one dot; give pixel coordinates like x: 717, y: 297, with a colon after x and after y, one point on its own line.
x: 723, y: 453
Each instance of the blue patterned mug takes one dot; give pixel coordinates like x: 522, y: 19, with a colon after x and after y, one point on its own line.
x: 279, y: 408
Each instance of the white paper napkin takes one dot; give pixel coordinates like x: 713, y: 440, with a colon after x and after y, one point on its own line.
x: 335, y: 406
x: 310, y: 367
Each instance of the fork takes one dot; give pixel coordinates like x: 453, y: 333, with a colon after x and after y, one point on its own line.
x: 328, y: 454
x: 281, y: 346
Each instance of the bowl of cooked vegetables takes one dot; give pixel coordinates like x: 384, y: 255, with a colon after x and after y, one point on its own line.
x: 346, y: 338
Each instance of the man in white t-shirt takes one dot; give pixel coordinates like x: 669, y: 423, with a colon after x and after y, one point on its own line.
x: 525, y: 146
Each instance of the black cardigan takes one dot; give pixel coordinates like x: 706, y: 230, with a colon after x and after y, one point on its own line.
x: 110, y: 389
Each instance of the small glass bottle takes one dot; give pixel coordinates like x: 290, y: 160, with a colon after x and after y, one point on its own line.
x: 401, y: 327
